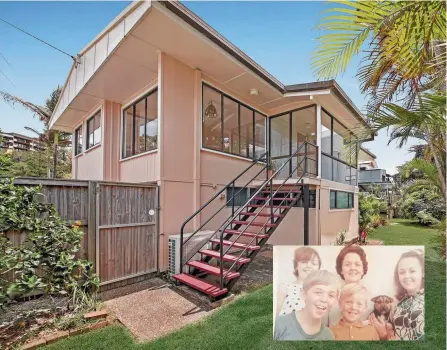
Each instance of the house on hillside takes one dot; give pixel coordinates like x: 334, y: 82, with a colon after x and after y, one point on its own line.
x: 161, y: 97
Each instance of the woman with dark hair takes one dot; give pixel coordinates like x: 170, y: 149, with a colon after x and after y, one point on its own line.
x: 408, y: 318
x: 351, y: 264
x: 305, y: 261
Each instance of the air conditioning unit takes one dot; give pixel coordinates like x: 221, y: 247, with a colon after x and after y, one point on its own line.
x: 193, y: 244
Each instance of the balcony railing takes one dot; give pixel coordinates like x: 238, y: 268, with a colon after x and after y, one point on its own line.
x: 337, y: 170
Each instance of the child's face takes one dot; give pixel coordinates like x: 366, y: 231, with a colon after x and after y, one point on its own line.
x: 319, y: 299
x: 410, y: 274
x: 306, y: 267
x: 352, y: 268
x: 352, y: 307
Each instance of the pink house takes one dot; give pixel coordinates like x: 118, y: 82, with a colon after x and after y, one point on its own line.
x: 161, y: 97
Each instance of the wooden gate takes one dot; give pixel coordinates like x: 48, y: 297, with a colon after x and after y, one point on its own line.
x: 126, y: 230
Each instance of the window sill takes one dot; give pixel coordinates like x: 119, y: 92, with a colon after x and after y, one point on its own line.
x: 337, y: 210
x: 229, y: 155
x: 139, y: 155
x: 93, y: 147
x: 78, y: 155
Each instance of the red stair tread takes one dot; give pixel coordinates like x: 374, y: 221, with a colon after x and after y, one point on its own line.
x: 268, y: 206
x: 260, y: 214
x: 196, y: 283
x: 247, y: 234
x: 283, y: 191
x: 236, y: 245
x: 262, y: 224
x: 213, y: 270
x: 274, y: 198
x: 226, y: 257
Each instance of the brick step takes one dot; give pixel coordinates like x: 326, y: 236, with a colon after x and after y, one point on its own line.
x: 251, y: 223
x: 260, y: 214
x: 226, y: 257
x: 212, y: 270
x: 246, y: 234
x: 196, y: 283
x: 236, y: 245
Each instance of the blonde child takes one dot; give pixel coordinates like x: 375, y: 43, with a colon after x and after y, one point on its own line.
x: 306, y: 260
x: 353, y: 302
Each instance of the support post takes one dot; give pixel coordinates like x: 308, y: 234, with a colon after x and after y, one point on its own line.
x: 306, y: 214
x: 92, y: 227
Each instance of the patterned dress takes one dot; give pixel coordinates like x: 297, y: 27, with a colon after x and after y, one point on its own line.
x: 292, y: 301
x: 409, y: 317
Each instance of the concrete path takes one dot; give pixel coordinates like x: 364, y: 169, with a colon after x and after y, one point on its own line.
x: 154, y: 312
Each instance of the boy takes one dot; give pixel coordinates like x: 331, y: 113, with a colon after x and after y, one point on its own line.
x: 320, y: 294
x: 353, y: 303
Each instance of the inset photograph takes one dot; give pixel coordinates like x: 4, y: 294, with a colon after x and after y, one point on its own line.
x: 366, y: 293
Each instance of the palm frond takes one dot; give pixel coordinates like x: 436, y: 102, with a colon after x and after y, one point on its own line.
x: 43, y: 113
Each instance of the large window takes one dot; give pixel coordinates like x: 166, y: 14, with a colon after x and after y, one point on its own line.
x: 94, y: 130
x: 231, y: 127
x: 78, y: 141
x: 241, y: 195
x: 341, y: 200
x: 338, y: 151
x: 140, y: 125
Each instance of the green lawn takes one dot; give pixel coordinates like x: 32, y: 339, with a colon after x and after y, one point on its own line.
x: 247, y: 323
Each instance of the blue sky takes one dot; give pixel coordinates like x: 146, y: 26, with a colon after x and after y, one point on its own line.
x: 285, y: 28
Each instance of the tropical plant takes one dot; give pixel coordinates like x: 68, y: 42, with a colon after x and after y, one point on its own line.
x: 45, y: 261
x: 51, y: 139
x: 402, y: 43
x: 426, y: 219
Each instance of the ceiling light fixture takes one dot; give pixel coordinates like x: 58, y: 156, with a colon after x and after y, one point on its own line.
x: 211, y: 111
x: 254, y: 92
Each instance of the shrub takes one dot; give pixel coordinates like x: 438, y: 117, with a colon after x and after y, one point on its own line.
x: 369, y: 211
x: 45, y: 261
x: 426, y: 219
x: 425, y: 200
x: 340, y: 238
x: 376, y: 221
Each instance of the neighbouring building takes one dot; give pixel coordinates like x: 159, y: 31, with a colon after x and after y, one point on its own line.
x: 18, y: 142
x: 161, y: 97
x: 370, y: 174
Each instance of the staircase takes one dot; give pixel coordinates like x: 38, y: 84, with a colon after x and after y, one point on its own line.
x: 239, y: 239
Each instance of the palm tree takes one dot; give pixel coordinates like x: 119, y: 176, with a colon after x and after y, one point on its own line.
x: 50, y: 138
x: 403, y: 44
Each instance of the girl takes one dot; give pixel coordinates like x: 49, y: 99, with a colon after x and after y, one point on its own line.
x: 409, y: 283
x: 306, y: 260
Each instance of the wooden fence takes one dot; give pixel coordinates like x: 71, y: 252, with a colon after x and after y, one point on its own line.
x: 120, y: 221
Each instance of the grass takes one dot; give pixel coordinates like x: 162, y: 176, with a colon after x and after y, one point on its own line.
x: 247, y: 323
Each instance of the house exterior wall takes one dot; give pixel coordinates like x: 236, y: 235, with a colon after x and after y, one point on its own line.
x: 188, y: 175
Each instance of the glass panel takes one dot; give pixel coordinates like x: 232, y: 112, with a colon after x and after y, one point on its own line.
x: 97, y: 132
x: 211, y: 119
x: 325, y: 132
x: 260, y: 138
x: 140, y: 118
x: 128, y: 122
x: 246, y: 132
x: 341, y: 146
x: 152, y: 122
x: 304, y: 128
x: 231, y: 126
x: 78, y: 140
x: 326, y: 167
x: 240, y: 196
x: 280, y: 143
x: 332, y: 199
x: 342, y: 200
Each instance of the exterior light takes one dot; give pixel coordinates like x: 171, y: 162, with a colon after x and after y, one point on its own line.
x: 254, y: 92
x: 211, y: 111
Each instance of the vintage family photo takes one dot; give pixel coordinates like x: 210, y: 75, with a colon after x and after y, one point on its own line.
x: 348, y: 293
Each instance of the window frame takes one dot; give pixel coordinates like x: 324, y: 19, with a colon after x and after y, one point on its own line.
x: 252, y: 109
x: 331, y: 155
x: 76, y: 144
x: 249, y: 191
x: 87, y: 136
x: 350, y: 200
x: 132, y: 104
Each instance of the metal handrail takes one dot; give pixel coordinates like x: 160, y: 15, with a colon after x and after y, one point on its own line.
x: 257, y: 234
x: 269, y: 201
x: 182, y: 243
